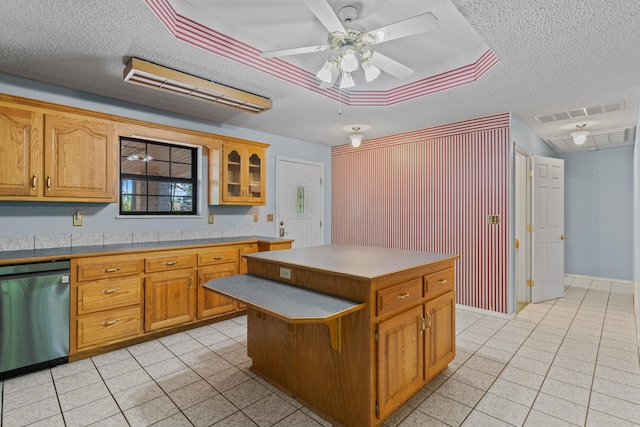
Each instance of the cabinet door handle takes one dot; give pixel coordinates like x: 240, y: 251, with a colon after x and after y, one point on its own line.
x: 110, y: 291
x: 430, y: 323
x: 423, y: 324
x: 171, y: 262
x: 403, y: 296
x: 218, y: 258
x: 110, y: 270
x: 190, y: 282
x: 110, y: 322
x: 48, y: 182
x: 34, y: 182
x: 442, y: 281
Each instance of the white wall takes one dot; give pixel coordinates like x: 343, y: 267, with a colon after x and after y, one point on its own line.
x: 20, y: 221
x: 599, y: 212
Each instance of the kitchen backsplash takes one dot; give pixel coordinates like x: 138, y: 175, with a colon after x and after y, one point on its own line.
x: 48, y: 241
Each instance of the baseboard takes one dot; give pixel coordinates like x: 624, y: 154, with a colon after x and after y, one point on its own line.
x: 485, y: 312
x: 602, y: 279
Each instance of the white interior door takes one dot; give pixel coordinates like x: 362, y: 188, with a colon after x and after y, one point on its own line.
x: 299, y: 195
x: 548, y: 229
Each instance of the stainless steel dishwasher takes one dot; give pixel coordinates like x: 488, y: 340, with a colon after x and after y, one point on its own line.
x: 34, y: 316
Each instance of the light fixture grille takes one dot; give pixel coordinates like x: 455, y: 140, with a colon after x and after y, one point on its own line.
x: 155, y: 76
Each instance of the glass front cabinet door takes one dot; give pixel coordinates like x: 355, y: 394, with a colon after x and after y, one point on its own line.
x: 243, y: 172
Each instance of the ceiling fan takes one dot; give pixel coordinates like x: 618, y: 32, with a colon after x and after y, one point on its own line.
x: 354, y: 48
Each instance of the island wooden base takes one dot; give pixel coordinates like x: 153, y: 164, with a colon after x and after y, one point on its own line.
x: 356, y: 371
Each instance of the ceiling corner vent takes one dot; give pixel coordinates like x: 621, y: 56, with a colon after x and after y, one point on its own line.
x: 156, y: 76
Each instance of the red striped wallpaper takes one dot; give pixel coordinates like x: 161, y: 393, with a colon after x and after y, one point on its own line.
x: 432, y: 190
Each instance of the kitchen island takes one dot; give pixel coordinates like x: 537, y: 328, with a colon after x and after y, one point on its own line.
x: 379, y: 324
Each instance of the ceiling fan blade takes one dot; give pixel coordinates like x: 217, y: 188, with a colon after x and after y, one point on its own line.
x: 293, y: 51
x: 391, y: 66
x: 408, y: 27
x: 325, y: 14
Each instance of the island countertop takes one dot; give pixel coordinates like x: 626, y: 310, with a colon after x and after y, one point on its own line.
x: 366, y: 262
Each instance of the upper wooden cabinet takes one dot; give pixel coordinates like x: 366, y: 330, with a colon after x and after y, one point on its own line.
x: 80, y: 159
x: 237, y: 173
x: 20, y: 152
x: 56, y: 157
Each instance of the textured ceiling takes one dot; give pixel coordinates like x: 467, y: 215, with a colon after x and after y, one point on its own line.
x: 553, y: 57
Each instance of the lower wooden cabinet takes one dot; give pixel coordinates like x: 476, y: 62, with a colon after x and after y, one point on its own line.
x: 116, y: 298
x: 416, y: 336
x: 400, y: 359
x: 169, y: 299
x: 440, y: 333
x: 108, y: 327
x: 211, y: 303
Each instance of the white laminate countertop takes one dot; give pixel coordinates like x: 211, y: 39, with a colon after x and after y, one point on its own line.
x: 366, y: 262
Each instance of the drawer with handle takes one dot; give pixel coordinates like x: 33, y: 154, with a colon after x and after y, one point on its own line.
x: 170, y: 261
x: 109, y: 327
x: 109, y: 294
x: 438, y: 283
x: 399, y: 296
x: 107, y: 267
x: 217, y: 256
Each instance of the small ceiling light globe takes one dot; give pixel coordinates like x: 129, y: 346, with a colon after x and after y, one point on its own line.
x: 579, y: 137
x: 371, y: 72
x: 346, y: 81
x: 356, y: 139
x: 349, y: 62
x: 326, y: 72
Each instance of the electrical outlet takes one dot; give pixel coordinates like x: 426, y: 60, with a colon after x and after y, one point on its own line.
x: 77, y: 219
x: 493, y: 219
x: 210, y: 219
x: 285, y: 273
x: 255, y: 217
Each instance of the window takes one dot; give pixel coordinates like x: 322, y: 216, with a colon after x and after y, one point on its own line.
x: 157, y: 178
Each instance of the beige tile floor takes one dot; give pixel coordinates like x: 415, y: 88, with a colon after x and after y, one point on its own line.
x: 571, y: 361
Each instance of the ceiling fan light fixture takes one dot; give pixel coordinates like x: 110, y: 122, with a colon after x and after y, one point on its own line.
x: 580, y: 136
x: 371, y: 72
x: 346, y: 81
x: 328, y: 73
x: 349, y: 62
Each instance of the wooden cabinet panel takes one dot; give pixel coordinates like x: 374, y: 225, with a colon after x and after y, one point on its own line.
x: 243, y: 261
x: 438, y: 283
x: 169, y: 299
x: 80, y: 158
x: 217, y: 255
x: 440, y: 340
x: 211, y: 303
x: 108, y: 267
x: 109, y: 294
x: 400, y: 359
x: 20, y: 152
x: 399, y: 296
x: 108, y: 327
x: 171, y: 261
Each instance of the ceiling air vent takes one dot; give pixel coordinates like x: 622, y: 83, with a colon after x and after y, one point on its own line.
x: 581, y: 112
x: 157, y: 77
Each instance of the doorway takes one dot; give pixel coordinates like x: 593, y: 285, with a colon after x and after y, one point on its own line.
x: 300, y: 201
x: 522, y: 218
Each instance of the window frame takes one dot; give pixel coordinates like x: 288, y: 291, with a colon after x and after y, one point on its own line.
x: 193, y: 181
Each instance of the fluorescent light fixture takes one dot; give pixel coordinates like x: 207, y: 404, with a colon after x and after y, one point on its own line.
x: 156, y: 76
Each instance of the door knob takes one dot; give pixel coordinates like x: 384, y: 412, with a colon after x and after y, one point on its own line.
x: 563, y: 237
